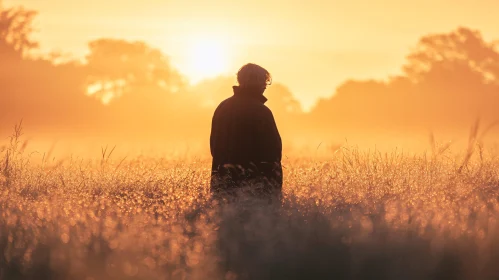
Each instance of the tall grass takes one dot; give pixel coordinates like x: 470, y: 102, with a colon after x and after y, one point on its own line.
x: 354, y: 215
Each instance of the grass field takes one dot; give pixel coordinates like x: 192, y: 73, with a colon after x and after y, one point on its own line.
x: 353, y: 215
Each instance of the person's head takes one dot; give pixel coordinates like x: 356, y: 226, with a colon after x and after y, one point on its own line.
x: 254, y: 76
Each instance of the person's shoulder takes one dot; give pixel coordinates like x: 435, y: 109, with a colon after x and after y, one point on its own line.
x: 222, y: 104
x: 225, y: 101
x: 263, y: 110
x: 261, y: 106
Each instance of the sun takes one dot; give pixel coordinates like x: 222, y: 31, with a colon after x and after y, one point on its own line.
x: 207, y: 58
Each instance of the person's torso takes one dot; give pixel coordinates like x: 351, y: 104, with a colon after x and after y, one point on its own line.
x: 234, y: 124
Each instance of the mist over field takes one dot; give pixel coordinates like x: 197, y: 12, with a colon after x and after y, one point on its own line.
x: 105, y: 165
x: 127, y: 93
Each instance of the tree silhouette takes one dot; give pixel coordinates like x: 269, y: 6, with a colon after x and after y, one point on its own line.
x: 282, y: 101
x: 448, y: 80
x: 456, y: 76
x: 118, y: 66
x: 15, y: 32
x: 461, y: 50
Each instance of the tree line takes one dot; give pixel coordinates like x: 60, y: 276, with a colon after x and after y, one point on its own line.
x: 129, y: 88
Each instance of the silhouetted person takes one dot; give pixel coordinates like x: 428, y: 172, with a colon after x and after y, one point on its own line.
x: 245, y: 143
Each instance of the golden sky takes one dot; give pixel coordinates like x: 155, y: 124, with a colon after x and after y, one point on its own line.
x: 310, y: 46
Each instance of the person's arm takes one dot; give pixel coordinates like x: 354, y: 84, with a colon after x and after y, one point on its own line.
x: 215, y: 130
x: 269, y: 138
x: 270, y: 148
x: 212, y: 136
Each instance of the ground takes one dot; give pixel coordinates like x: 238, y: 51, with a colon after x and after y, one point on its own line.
x: 352, y: 215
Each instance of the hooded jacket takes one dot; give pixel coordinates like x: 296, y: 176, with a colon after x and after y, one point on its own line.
x: 245, y: 143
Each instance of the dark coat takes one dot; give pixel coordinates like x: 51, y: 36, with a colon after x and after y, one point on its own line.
x: 245, y: 144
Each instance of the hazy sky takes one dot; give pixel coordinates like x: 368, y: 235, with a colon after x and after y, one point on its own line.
x: 310, y: 46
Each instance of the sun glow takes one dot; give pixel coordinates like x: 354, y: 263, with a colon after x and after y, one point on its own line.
x: 207, y: 58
